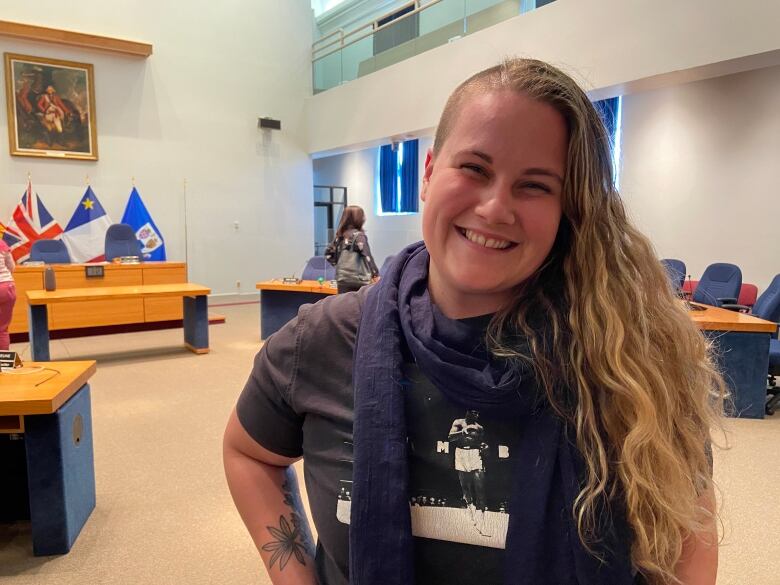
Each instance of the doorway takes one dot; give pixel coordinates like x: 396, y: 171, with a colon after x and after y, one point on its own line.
x: 329, y: 204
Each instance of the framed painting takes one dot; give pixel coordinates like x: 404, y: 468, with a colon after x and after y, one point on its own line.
x: 51, y: 108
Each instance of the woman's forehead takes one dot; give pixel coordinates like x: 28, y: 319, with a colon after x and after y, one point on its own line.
x: 496, y: 121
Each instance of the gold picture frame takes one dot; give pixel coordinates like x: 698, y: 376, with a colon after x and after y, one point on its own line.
x: 51, y: 108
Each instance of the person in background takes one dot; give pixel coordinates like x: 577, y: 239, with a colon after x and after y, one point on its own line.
x: 532, y: 299
x: 350, y: 235
x: 7, y: 292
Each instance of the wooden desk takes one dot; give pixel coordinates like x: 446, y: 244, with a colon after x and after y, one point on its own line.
x: 194, y: 308
x: 717, y: 319
x: 106, y: 313
x: 742, y: 349
x: 51, y: 402
x: 279, y: 302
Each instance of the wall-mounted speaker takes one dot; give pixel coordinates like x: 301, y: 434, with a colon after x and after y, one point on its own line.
x: 269, y: 124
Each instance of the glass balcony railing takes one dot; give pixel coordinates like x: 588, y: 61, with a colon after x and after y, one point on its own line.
x: 340, y: 57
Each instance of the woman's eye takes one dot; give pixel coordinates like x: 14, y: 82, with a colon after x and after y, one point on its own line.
x: 536, y: 187
x: 474, y: 168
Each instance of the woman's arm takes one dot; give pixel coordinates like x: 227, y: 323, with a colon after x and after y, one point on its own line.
x: 362, y: 244
x: 698, y: 563
x: 9, y: 261
x: 265, y: 490
x: 332, y: 252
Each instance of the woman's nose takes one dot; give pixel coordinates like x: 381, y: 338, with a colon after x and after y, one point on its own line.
x: 496, y: 205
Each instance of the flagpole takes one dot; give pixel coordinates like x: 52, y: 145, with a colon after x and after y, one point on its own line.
x: 186, y: 242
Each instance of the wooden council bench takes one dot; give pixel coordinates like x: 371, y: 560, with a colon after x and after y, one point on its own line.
x: 195, y: 302
x: 50, y: 404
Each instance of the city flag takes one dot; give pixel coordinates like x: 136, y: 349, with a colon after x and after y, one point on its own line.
x: 30, y: 221
x: 85, y: 234
x: 146, y: 232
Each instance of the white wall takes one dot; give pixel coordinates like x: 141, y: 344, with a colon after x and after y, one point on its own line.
x: 189, y: 111
x: 387, y: 234
x: 614, y: 47
x: 701, y: 171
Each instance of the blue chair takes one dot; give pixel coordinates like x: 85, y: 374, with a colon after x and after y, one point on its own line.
x: 676, y: 271
x: 121, y: 241
x: 719, y: 284
x: 317, y: 266
x: 768, y: 307
x: 50, y: 252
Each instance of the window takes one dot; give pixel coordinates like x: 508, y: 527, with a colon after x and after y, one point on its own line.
x: 397, y: 184
x: 611, y: 113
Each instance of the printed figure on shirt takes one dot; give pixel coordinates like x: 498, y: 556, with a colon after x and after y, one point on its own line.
x: 467, y: 435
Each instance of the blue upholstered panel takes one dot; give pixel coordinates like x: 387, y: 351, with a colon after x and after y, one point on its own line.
x: 277, y: 307
x: 196, y: 322
x: 61, y: 474
x: 744, y: 362
x: 38, y: 321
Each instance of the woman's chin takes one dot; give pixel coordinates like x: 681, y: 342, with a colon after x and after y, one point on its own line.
x: 480, y: 285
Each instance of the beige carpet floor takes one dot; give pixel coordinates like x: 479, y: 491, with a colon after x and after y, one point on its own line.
x: 164, y: 514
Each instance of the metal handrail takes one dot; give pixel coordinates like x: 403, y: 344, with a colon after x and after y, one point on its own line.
x: 339, y: 41
x: 419, y: 7
x: 339, y: 32
x: 330, y: 34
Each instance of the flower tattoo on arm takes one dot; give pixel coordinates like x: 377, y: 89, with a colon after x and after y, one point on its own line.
x: 285, y: 544
x: 292, y: 537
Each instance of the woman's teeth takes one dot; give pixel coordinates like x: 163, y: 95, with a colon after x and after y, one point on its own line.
x: 486, y: 242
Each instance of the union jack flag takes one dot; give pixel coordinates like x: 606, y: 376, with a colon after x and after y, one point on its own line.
x: 30, y: 221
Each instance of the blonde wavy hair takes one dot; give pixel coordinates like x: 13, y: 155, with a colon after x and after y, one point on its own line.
x: 644, y: 392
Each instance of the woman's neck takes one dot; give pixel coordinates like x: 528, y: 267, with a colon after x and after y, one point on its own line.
x: 456, y: 304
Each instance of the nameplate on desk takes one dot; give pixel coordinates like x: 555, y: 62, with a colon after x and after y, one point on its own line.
x: 10, y: 359
x: 291, y: 280
x: 94, y: 271
x: 127, y: 260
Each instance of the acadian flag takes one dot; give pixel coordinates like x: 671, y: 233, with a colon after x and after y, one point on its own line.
x: 85, y: 234
x: 145, y: 229
x: 30, y: 221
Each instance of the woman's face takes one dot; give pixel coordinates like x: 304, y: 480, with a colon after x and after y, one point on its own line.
x: 492, y: 200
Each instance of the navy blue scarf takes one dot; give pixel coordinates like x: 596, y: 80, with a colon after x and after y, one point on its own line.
x: 543, y: 547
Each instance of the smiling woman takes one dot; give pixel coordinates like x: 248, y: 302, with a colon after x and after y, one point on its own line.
x: 492, y: 190
x: 535, y: 307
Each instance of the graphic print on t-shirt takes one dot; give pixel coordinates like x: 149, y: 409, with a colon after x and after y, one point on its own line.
x: 460, y: 469
x: 343, y: 503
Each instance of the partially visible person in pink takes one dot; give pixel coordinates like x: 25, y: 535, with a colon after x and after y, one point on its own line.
x: 7, y: 292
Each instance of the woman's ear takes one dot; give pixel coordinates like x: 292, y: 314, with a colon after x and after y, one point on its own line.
x: 429, y: 159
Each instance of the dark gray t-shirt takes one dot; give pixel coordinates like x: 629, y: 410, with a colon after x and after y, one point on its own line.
x: 298, y: 401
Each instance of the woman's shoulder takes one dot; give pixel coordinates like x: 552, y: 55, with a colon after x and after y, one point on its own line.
x: 334, y: 317
x: 3, y: 246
